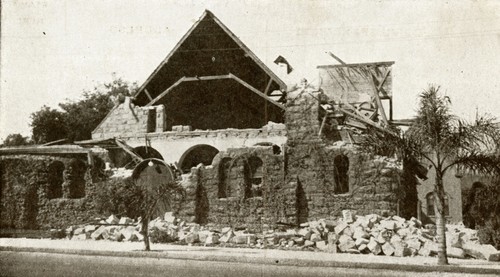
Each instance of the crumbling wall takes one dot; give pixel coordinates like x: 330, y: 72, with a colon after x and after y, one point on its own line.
x: 29, y: 202
x: 231, y: 192
x: 126, y: 119
x: 314, y: 166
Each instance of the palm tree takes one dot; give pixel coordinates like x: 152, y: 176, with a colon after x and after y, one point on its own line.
x: 444, y: 141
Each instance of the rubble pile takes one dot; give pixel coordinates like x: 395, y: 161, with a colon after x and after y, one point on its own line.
x: 370, y: 234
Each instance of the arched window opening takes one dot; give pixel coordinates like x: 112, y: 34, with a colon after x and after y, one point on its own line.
x: 195, y: 155
x: 341, y: 176
x: 255, y: 173
x: 148, y: 152
x: 55, y: 180
x: 431, y: 202
x: 224, y: 171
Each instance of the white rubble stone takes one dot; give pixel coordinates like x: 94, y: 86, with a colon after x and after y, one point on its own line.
x: 112, y: 219
x: 347, y: 216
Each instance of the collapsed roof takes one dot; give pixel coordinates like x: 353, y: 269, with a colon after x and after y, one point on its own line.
x: 211, y: 80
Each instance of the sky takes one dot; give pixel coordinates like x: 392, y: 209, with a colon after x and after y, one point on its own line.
x: 51, y: 51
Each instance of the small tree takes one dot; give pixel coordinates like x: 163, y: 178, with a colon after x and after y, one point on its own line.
x: 77, y: 119
x: 444, y: 141
x: 153, y: 197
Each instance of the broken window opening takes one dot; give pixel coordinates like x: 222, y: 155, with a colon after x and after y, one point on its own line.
x: 74, y: 179
x: 151, y: 127
x: 55, y: 180
x: 224, y: 170
x: 253, y: 182
x: 198, y: 154
x: 430, y: 205
x: 341, y: 169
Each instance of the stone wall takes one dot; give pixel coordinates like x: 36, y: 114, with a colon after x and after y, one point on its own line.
x: 41, y: 192
x: 331, y: 174
x: 126, y: 119
x: 236, y: 190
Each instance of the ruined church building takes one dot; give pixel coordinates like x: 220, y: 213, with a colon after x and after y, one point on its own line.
x: 252, y: 152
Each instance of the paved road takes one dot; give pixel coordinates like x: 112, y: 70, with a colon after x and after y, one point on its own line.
x: 45, y: 264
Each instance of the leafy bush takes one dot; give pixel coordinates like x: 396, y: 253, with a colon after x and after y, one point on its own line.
x: 482, y: 212
x: 120, y: 197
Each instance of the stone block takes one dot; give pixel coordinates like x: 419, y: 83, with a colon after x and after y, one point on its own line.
x: 454, y: 239
x: 321, y: 245
x: 299, y: 241
x: 97, y: 234
x: 374, y: 246
x: 388, y: 224
x: 112, y: 219
x: 345, y: 243
x: 388, y: 249
x: 481, y: 251
x: 455, y: 252
x: 340, y: 227
x: 169, y: 217
x: 212, y: 239
x: 125, y: 220
x: 347, y: 216
x: 308, y: 243
x: 192, y: 238
x: 413, y: 243
x: 359, y: 232
x: 128, y: 233
x: 90, y: 228
x: 315, y: 237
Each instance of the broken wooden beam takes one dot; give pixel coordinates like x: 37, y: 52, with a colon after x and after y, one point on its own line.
x: 148, y: 95
x: 256, y: 91
x: 165, y: 92
x: 337, y: 58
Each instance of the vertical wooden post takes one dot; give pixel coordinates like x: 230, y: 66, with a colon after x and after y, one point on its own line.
x: 266, y: 117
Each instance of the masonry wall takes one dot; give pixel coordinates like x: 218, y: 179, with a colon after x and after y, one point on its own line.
x: 372, y: 182
x: 27, y: 201
x: 126, y: 119
x: 218, y: 194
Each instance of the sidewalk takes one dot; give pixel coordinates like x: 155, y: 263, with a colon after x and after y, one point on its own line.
x: 247, y: 255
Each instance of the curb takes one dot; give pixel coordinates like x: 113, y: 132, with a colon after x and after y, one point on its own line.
x: 257, y: 260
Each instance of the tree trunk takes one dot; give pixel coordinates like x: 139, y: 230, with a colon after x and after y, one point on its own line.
x: 145, y: 233
x: 440, y: 220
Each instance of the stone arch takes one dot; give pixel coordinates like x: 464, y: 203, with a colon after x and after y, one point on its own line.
x: 201, y: 153
x: 341, y: 173
x: 148, y: 152
x: 55, y: 180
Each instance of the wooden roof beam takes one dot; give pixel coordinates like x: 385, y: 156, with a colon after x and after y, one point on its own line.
x: 256, y: 91
x: 165, y: 92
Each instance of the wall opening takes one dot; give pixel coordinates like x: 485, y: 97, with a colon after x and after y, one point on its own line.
x: 255, y: 173
x: 430, y: 205
x: 147, y: 152
x: 302, y: 207
x: 470, y: 204
x: 341, y: 170
x: 151, y: 127
x: 276, y: 148
x: 195, y: 155
x: 55, y: 180
x: 74, y: 179
x: 224, y: 171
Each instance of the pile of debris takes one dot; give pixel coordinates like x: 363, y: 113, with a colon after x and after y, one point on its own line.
x: 373, y: 234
